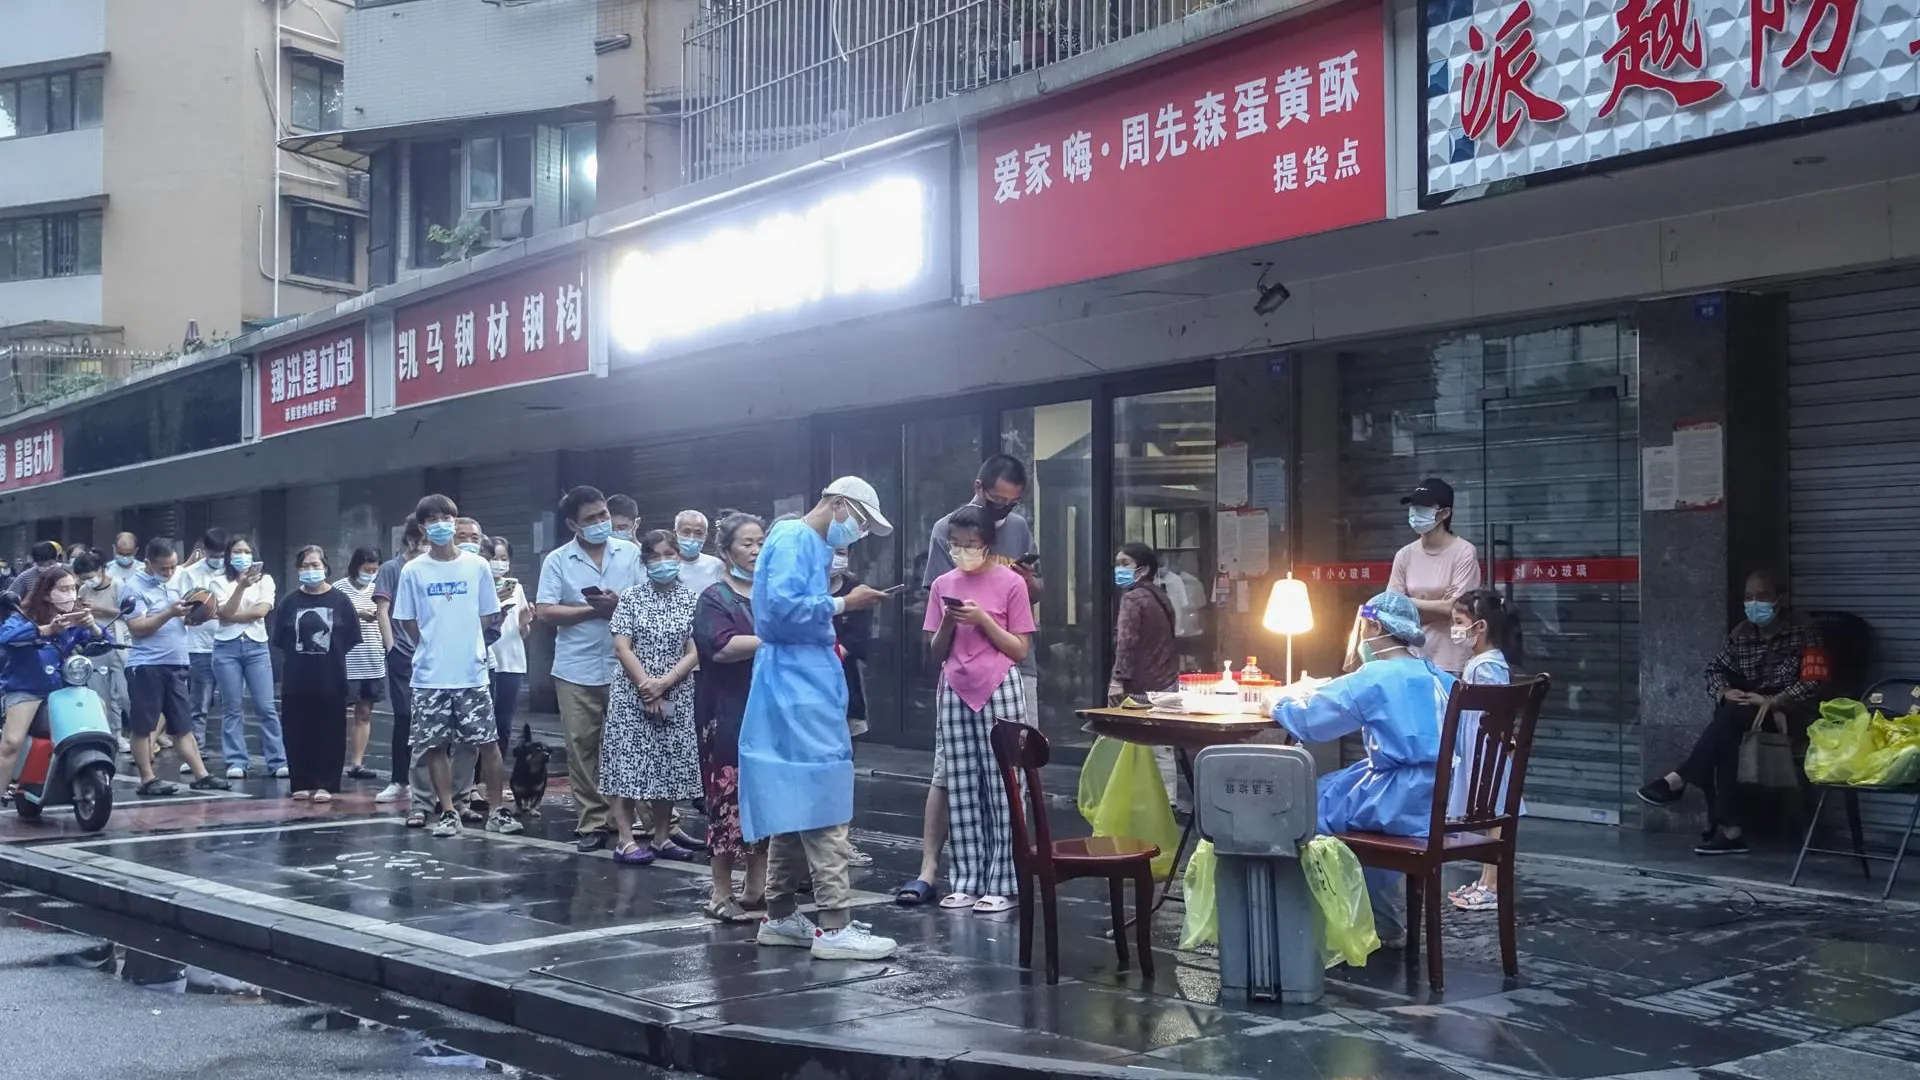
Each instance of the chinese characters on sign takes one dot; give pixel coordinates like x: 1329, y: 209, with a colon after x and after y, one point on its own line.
x: 32, y: 456
x: 1602, y: 570
x: 313, y: 381
x: 1674, y: 71
x: 1271, y: 136
x: 521, y: 328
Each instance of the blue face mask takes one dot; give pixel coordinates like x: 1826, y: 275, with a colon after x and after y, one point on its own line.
x: 740, y: 574
x: 312, y: 577
x: 363, y: 579
x: 690, y: 547
x: 664, y: 571
x: 123, y: 560
x: 1760, y: 612
x: 471, y: 549
x: 1123, y: 576
x: 216, y: 564
x: 1366, y: 652
x: 596, y: 533
x: 844, y: 533
x: 240, y: 563
x: 1422, y: 518
x: 440, y: 533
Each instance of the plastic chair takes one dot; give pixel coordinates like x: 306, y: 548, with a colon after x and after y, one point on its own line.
x: 1044, y: 862
x: 1508, y: 715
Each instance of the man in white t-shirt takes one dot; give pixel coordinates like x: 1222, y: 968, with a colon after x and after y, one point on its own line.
x: 697, y: 569
x: 446, y: 601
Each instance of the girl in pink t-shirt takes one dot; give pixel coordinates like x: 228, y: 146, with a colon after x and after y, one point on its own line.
x: 980, y: 619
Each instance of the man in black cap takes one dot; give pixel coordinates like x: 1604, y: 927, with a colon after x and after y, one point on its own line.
x: 1436, y: 569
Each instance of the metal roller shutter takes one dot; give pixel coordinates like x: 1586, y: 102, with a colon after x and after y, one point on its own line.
x: 1537, y: 431
x: 496, y: 496
x: 1854, y: 483
x: 235, y: 514
x: 747, y: 468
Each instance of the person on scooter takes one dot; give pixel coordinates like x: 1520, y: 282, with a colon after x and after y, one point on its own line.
x: 43, y: 631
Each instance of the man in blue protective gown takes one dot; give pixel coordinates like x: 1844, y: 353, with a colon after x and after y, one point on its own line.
x: 796, y: 758
x: 1397, y: 702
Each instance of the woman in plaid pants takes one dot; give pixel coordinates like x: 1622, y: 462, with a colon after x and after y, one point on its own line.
x: 980, y: 619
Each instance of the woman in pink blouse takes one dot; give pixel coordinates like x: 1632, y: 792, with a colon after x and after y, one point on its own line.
x: 1435, y: 570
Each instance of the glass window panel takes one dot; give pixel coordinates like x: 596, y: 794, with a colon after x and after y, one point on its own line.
x: 33, y: 107
x: 29, y: 249
x: 63, y: 245
x: 1163, y: 496
x: 89, y: 98
x: 943, y: 455
x: 483, y: 172
x: 516, y: 167
x: 60, y: 103
x: 322, y: 245
x: 89, y: 243
x: 9, y: 110
x: 6, y: 251
x: 306, y: 106
x: 583, y: 169
x: 1055, y: 442
x: 333, y: 89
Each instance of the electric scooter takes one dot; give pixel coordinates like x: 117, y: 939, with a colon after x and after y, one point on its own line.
x: 71, y: 748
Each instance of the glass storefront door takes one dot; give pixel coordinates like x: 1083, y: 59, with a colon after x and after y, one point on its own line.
x: 1163, y: 496
x: 1056, y: 444
x: 1537, y: 429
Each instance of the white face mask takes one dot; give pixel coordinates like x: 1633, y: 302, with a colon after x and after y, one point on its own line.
x: 1462, y: 635
x: 967, y: 559
x: 500, y: 566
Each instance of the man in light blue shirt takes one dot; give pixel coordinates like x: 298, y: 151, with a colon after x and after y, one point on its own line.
x: 580, y: 585
x: 157, y: 672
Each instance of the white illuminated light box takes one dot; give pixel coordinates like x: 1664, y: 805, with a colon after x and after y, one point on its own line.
x: 871, y: 241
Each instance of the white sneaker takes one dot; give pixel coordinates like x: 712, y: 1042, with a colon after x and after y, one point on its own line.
x: 855, y: 941
x: 796, y: 930
x: 502, y: 821
x: 393, y: 793
x: 186, y: 769
x: 235, y: 772
x: 449, y: 825
x: 282, y: 773
x: 126, y: 747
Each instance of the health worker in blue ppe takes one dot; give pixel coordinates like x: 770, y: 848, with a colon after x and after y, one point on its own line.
x: 1396, y: 701
x: 796, y: 756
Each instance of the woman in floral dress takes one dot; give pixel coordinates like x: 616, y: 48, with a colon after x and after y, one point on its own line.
x: 723, y: 634
x: 650, y: 750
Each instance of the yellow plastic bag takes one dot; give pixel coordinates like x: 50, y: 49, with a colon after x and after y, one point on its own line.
x: 1121, y: 794
x: 1895, y: 758
x: 1338, y: 887
x: 1839, y: 743
x: 1202, y: 925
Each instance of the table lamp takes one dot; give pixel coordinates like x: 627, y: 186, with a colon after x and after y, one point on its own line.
x: 1289, y: 612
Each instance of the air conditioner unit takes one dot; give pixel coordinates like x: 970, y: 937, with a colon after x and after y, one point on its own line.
x: 507, y: 223
x: 359, y: 187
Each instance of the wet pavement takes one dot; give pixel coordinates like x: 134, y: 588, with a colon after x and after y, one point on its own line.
x: 1622, y: 975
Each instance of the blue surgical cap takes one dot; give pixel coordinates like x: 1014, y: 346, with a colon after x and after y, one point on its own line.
x: 1397, y: 616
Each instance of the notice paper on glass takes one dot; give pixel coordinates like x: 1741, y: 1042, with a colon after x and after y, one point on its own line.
x: 1269, y: 484
x: 1226, y: 540
x: 1230, y: 474
x: 1656, y: 478
x: 1699, y: 472
x: 1242, y: 542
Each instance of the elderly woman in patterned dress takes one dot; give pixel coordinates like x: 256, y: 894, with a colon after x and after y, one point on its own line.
x: 650, y: 750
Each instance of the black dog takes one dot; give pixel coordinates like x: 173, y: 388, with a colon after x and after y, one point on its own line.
x: 529, y: 782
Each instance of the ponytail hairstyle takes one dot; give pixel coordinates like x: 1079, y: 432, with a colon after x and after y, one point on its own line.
x: 1503, y: 622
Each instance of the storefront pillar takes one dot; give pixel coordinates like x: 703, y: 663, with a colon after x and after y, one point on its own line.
x: 1715, y: 359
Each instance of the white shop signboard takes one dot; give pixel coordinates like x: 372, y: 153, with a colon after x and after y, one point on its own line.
x: 1523, y: 88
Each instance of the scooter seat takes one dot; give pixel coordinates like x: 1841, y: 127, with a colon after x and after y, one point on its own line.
x: 41, y: 728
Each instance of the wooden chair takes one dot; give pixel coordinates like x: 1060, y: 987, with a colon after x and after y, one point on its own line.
x: 1042, y: 861
x: 1507, y: 718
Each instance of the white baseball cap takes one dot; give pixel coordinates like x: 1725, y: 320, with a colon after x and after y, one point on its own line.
x: 858, y: 490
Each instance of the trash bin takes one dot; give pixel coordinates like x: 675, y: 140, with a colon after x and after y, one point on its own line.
x: 1257, y: 804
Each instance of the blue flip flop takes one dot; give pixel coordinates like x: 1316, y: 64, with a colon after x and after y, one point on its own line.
x: 913, y: 893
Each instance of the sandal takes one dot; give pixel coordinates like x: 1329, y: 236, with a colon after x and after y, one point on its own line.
x: 1478, y: 898
x: 303, y: 795
x: 157, y: 786
x: 322, y: 796
x: 211, y: 782
x: 673, y: 852
x: 361, y: 772
x: 416, y: 819
x: 958, y: 901
x: 728, y: 912
x: 633, y: 854
x: 992, y: 904
x: 913, y: 894
x: 753, y: 903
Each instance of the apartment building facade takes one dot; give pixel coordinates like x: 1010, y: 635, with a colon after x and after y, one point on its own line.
x: 144, y: 206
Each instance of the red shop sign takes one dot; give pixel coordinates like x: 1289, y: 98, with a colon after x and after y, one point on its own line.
x: 1274, y: 135
x: 313, y: 381
x: 525, y: 327
x: 32, y: 455
x: 1605, y: 570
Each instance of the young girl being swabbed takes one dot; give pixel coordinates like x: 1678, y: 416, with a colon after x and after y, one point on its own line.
x: 1491, y: 631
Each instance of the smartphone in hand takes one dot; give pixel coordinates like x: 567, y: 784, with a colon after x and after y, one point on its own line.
x: 953, y: 603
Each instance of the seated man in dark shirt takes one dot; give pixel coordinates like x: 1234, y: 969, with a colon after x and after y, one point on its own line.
x: 1762, y: 676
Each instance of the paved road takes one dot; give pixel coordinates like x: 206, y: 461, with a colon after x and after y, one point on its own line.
x: 76, y: 1008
